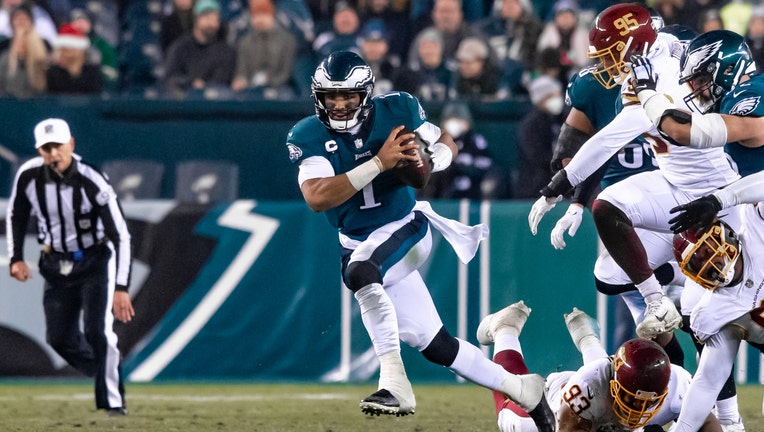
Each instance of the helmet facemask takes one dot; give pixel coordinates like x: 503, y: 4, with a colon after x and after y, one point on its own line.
x: 635, y: 409
x: 708, y: 257
x: 611, y: 70
x: 346, y: 118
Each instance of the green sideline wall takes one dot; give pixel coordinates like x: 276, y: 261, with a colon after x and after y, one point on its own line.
x: 253, y: 133
x: 250, y: 133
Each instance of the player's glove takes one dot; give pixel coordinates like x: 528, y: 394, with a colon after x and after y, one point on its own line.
x: 539, y: 209
x: 643, y: 74
x: 695, y: 214
x: 570, y: 222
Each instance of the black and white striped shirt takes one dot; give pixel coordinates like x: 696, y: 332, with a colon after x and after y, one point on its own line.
x: 74, y: 212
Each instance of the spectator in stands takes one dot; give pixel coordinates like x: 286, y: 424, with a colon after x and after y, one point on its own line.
x: 426, y: 76
x: 565, y: 35
x: 178, y: 22
x: 472, y: 174
x: 538, y: 133
x: 478, y: 77
x: 755, y: 37
x: 200, y: 62
x: 265, y: 56
x: 548, y: 63
x: 323, y: 12
x: 736, y: 14
x: 375, y: 51
x: 70, y: 72
x: 23, y: 64
x: 711, y: 20
x: 512, y: 32
x: 447, y: 18
x: 672, y: 11
x: 694, y: 10
x: 421, y: 10
x: 43, y: 23
x: 397, y: 24
x: 100, y: 51
x: 343, y: 35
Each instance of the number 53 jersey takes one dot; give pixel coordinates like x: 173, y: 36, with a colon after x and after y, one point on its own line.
x: 587, y: 392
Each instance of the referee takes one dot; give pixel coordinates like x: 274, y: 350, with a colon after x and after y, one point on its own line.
x: 85, y: 258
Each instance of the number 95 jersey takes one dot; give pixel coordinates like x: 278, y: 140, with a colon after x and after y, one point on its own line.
x: 385, y: 199
x: 587, y: 392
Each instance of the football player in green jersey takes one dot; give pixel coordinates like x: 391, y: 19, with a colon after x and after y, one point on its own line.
x: 718, y: 66
x: 345, y: 154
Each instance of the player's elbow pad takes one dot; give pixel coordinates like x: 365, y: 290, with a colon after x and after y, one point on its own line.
x: 707, y: 130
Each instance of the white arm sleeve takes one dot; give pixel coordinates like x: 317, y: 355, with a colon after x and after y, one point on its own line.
x: 746, y: 190
x: 713, y: 369
x: 314, y: 167
x: 627, y: 125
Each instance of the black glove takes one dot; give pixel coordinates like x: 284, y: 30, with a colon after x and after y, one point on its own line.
x: 695, y: 214
x: 643, y: 74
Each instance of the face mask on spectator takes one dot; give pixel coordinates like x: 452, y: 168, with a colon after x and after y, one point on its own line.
x: 455, y: 127
x: 554, y: 105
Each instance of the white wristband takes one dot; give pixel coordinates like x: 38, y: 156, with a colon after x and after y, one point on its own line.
x: 363, y: 174
x: 440, y: 155
x: 655, y: 104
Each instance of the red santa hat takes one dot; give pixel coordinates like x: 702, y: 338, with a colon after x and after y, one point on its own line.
x: 71, y: 37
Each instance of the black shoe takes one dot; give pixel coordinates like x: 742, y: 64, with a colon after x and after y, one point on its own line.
x: 383, y: 402
x: 543, y: 416
x: 116, y: 412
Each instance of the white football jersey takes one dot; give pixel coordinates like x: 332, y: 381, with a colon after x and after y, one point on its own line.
x: 736, y: 304
x: 587, y: 392
x: 693, y: 170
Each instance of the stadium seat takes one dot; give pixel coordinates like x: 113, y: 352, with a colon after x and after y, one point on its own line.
x: 135, y: 178
x: 206, y: 181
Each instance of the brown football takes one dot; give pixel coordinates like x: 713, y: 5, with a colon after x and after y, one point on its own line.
x: 415, y: 174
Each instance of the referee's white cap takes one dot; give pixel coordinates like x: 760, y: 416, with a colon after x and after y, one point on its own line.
x: 52, y: 130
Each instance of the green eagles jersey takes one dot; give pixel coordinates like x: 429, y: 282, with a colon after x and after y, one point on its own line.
x: 745, y: 100
x: 385, y: 199
x: 601, y: 105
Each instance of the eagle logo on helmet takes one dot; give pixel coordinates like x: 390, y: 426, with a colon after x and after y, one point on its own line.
x: 699, y: 58
x: 356, y: 78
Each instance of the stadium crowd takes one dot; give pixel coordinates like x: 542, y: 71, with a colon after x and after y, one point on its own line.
x: 441, y: 51
x: 437, y: 50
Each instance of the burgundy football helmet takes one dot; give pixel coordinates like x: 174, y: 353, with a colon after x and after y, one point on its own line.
x: 641, y: 373
x: 619, y: 32
x: 708, y: 256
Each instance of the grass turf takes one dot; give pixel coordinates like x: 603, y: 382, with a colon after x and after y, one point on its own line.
x: 42, y: 405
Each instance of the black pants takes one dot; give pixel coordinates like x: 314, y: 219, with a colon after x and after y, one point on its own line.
x: 80, y: 284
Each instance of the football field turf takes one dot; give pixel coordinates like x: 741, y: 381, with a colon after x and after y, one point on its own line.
x: 45, y: 405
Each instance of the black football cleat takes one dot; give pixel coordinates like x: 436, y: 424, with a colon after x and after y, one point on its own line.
x: 543, y: 416
x: 383, y: 402
x: 116, y: 412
